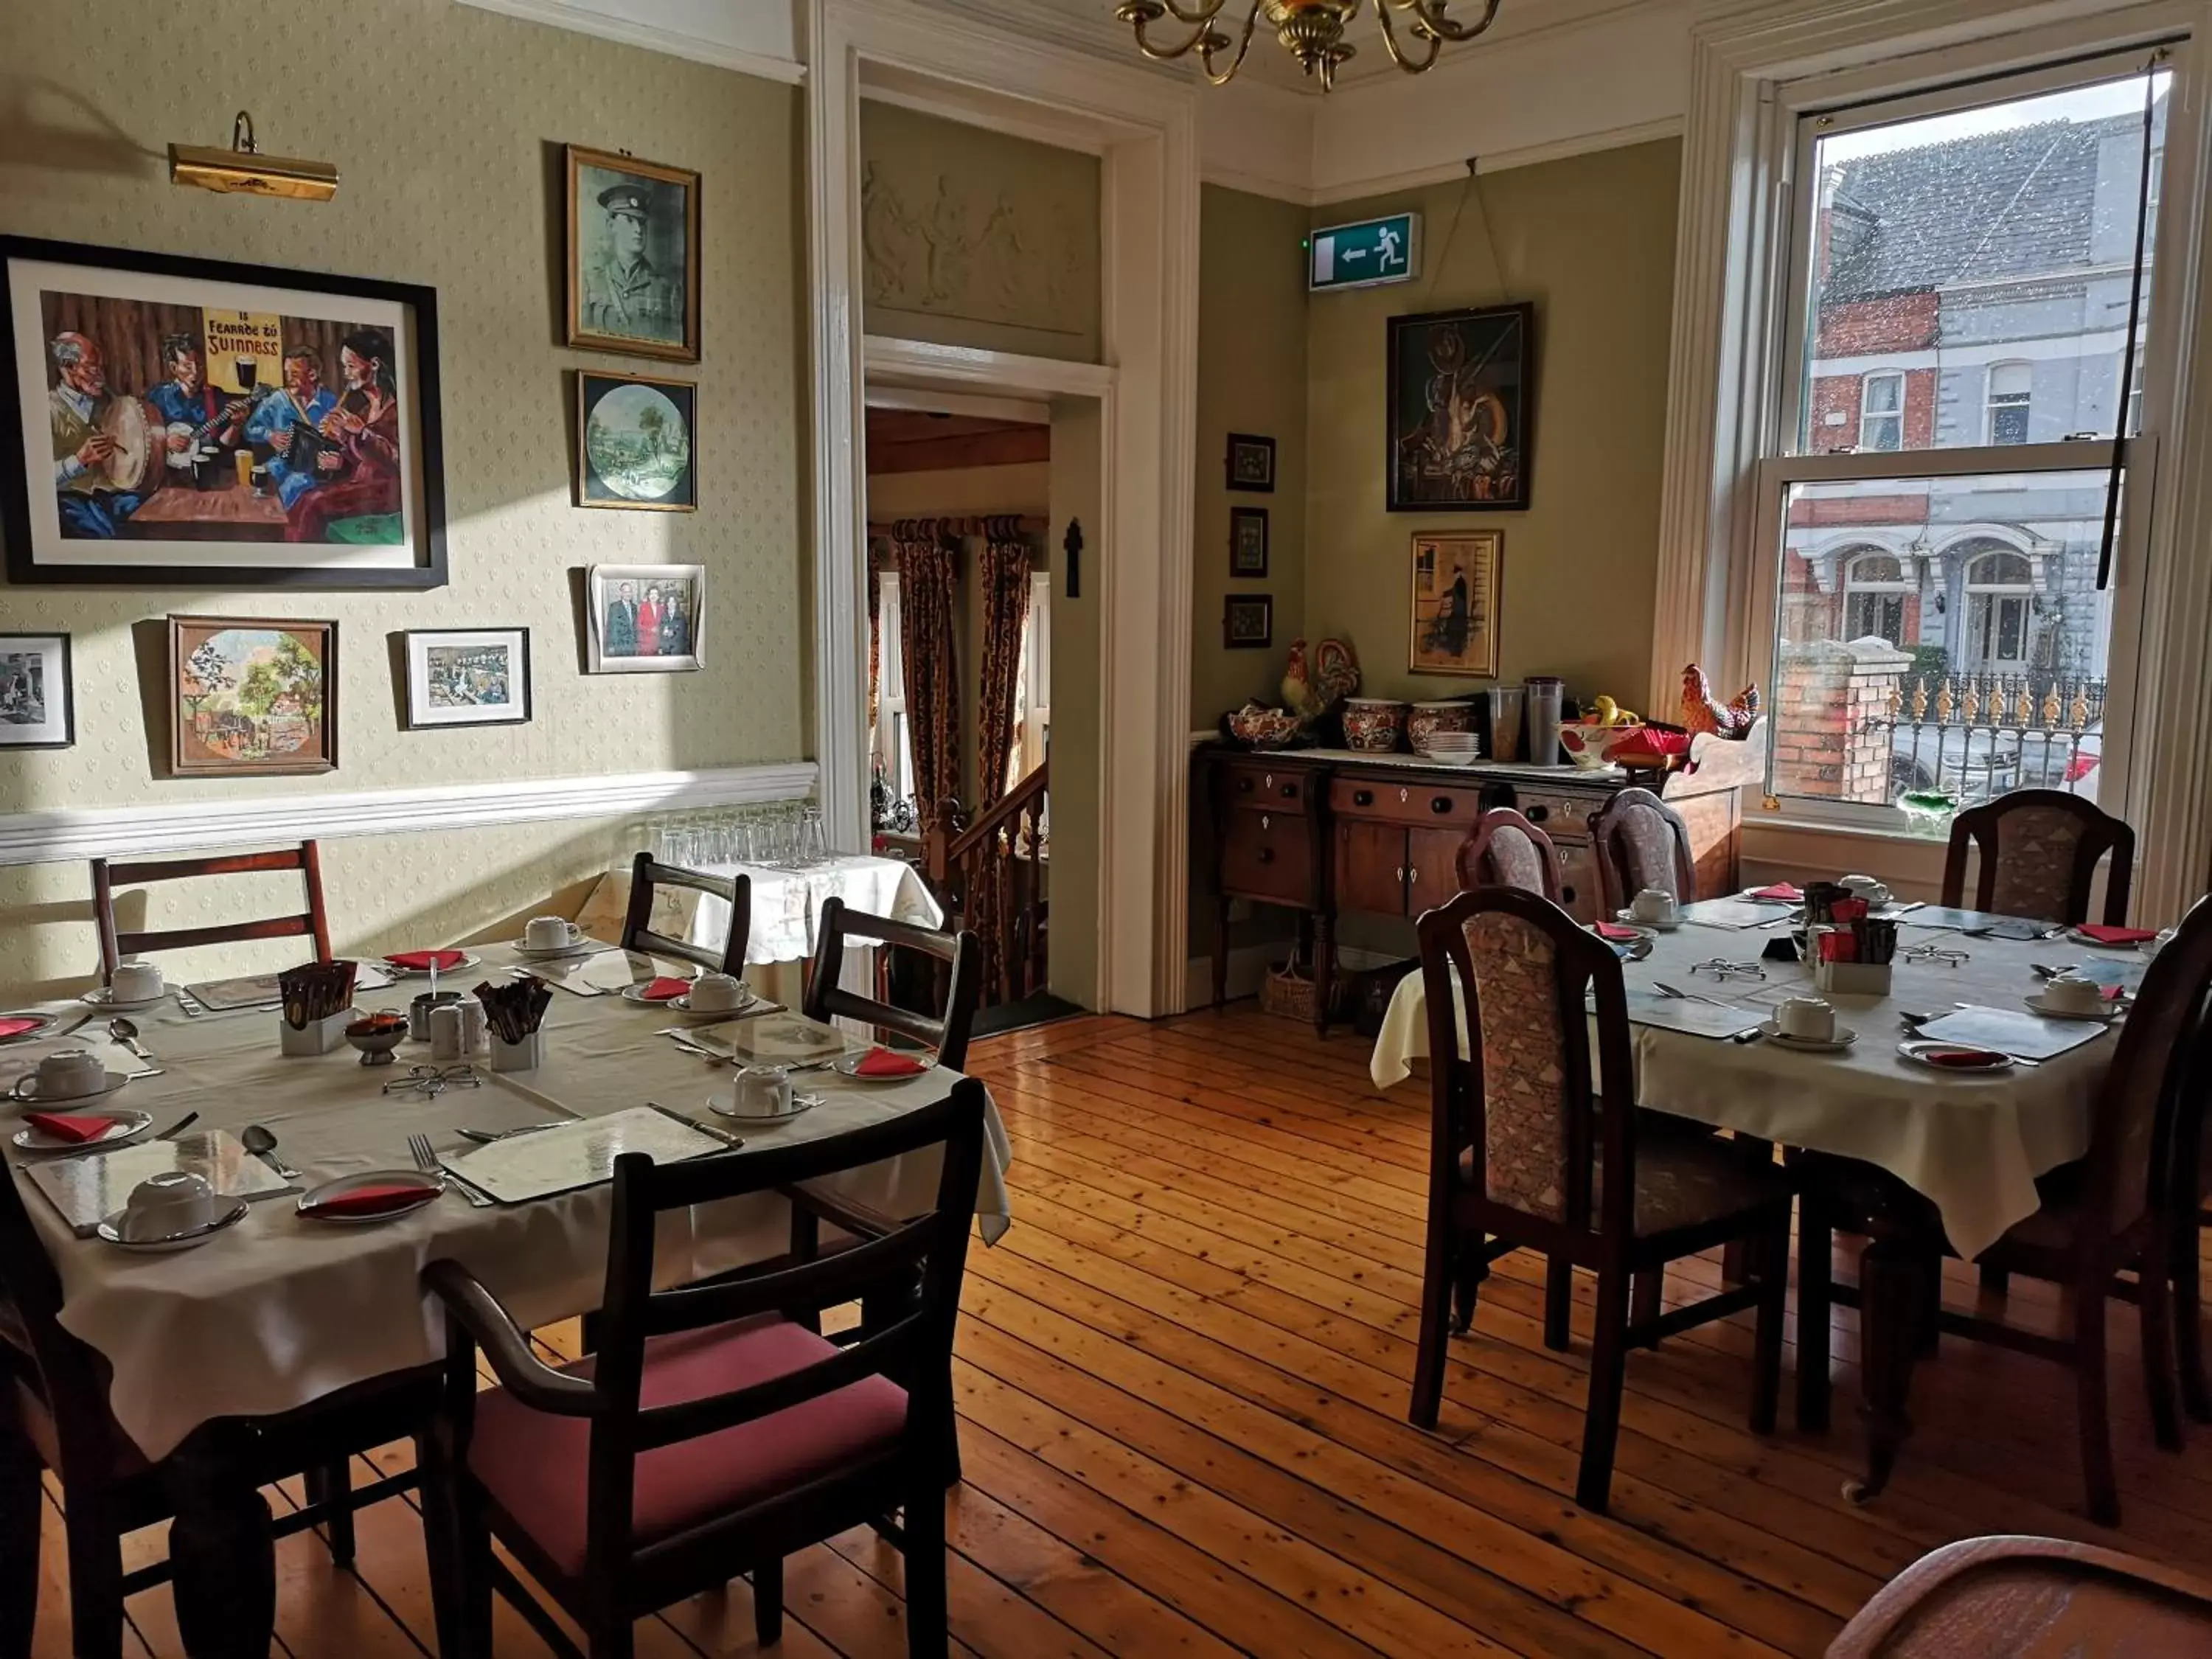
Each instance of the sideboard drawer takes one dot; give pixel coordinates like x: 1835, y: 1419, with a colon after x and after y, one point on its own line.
x: 1558, y: 812
x: 1276, y: 789
x: 1268, y: 855
x: 1407, y: 801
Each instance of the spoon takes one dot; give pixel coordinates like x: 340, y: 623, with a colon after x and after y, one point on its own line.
x: 263, y: 1144
x: 126, y: 1033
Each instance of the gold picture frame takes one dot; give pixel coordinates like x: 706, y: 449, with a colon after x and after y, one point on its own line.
x: 632, y: 256
x: 1457, y: 580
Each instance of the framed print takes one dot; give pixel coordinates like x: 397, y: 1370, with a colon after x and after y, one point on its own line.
x: 633, y: 255
x: 1459, y: 412
x: 1251, y: 462
x: 635, y: 440
x: 37, y: 704
x: 1248, y: 620
x: 252, y: 696
x: 167, y: 421
x: 467, y: 676
x: 1248, y: 541
x: 1456, y: 587
x: 646, y: 618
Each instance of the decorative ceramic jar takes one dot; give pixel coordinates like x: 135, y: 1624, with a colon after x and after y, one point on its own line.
x: 1373, y: 725
x: 1430, y: 718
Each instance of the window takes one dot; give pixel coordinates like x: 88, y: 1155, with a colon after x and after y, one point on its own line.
x: 2133, y: 425
x: 1881, y: 412
x: 1033, y: 684
x: 2010, y: 387
x: 893, y: 761
x: 1964, y: 661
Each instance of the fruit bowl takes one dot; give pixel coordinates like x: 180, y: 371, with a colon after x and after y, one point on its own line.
x: 1591, y: 747
x: 1262, y: 728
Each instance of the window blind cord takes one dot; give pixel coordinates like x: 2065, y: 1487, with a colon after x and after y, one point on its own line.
x: 2135, y: 324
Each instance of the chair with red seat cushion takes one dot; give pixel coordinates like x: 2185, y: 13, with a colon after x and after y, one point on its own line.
x: 714, y: 1431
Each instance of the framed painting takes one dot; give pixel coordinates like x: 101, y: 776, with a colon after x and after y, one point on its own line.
x: 1248, y: 621
x: 646, y: 618
x: 1251, y: 462
x: 467, y: 676
x: 168, y: 420
x: 38, y: 703
x: 637, y: 443
x: 1248, y: 541
x: 633, y: 255
x: 1455, y: 587
x: 252, y: 696
x: 1459, y: 410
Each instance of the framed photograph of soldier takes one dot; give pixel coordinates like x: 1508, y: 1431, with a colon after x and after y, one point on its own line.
x: 636, y: 442
x: 1456, y: 578
x: 252, y: 696
x: 467, y: 676
x: 37, y: 704
x: 633, y: 255
x: 1459, y: 396
x: 237, y: 426
x: 645, y: 618
x: 1248, y: 541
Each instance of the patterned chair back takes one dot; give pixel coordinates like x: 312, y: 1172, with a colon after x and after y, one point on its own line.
x: 1516, y: 1120
x: 2039, y: 854
x: 1643, y: 842
x: 1505, y: 850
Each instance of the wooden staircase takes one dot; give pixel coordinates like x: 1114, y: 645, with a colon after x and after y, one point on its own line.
x: 995, y: 876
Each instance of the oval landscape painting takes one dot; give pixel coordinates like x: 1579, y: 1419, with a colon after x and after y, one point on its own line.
x: 637, y: 443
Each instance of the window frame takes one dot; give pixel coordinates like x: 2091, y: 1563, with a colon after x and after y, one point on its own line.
x: 886, y: 743
x: 2024, y: 401
x: 1896, y: 377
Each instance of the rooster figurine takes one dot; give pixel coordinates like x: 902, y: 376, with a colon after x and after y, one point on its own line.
x: 1300, y: 695
x: 1701, y: 712
x: 1311, y: 692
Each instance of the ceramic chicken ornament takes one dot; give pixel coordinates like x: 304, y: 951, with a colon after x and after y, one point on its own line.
x: 1702, y: 711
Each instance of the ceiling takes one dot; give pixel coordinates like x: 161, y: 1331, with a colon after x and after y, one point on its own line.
x: 910, y: 441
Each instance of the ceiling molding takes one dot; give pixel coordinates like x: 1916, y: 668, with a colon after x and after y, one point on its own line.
x: 1500, y: 160
x: 758, y: 39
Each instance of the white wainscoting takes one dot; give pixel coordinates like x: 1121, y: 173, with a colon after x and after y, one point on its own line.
x: 204, y: 824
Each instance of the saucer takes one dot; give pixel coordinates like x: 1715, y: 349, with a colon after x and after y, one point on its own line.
x: 1629, y: 918
x: 104, y: 996
x: 429, y: 1189
x: 844, y: 1064
x: 1917, y: 1050
x: 21, y: 1095
x: 126, y: 1125
x: 554, y: 953
x: 798, y: 1103
x: 1845, y: 1036
x: 2103, y: 1016
x: 635, y: 994
x: 46, y: 1023
x: 112, y: 1232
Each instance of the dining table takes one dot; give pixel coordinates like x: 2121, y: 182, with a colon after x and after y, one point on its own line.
x: 1971, y: 1146
x: 280, y: 1310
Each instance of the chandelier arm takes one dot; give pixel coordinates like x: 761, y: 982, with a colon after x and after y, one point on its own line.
x: 1430, y: 23
x: 1197, y: 38
x: 1222, y: 77
x: 1398, y: 55
x: 1205, y: 11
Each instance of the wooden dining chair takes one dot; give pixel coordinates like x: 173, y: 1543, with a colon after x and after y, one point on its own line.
x: 2038, y: 851
x: 116, y: 943
x: 647, y: 875
x: 715, y: 1430
x: 1525, y: 1152
x: 961, y: 957
x: 1505, y: 850
x: 1642, y: 842
x: 54, y: 1416
x: 2110, y: 1213
x: 2192, y: 1213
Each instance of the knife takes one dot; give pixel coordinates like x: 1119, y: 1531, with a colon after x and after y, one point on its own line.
x: 706, y: 1129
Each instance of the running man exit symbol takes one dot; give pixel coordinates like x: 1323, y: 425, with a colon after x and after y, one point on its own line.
x: 1363, y: 255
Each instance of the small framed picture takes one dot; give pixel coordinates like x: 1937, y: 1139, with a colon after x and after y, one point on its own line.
x: 252, y: 696
x: 1251, y: 462
x: 1455, y: 585
x: 467, y: 676
x: 636, y: 437
x: 633, y: 255
x: 1248, y: 620
x: 37, y: 705
x: 1248, y: 541
x: 646, y: 618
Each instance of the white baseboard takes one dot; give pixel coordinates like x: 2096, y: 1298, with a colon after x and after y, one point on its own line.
x: 261, y: 820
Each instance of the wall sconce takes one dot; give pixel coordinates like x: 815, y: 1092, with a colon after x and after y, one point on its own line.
x: 244, y: 169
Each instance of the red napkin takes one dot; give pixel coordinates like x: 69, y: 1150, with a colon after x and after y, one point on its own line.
x: 1615, y: 931
x: 16, y: 1027
x: 1780, y: 889
x: 2104, y: 935
x: 441, y: 960
x: 2113, y: 993
x: 65, y: 1126
x: 665, y: 989
x: 882, y: 1062
x: 1964, y: 1060
x: 370, y: 1200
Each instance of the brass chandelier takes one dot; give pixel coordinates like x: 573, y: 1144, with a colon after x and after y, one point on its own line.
x: 1313, y: 31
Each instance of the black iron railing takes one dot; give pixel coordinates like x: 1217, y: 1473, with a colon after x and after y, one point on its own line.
x: 1976, y: 736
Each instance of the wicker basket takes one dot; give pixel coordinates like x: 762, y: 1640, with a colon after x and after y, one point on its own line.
x: 1287, y: 992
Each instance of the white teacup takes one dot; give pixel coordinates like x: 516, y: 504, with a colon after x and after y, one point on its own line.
x: 762, y: 1092
x: 2074, y: 993
x: 134, y: 981
x: 65, y: 1074
x: 711, y: 993
x: 1653, y: 904
x: 550, y: 933
x: 1809, y: 1019
x: 161, y: 1206
x: 1873, y: 890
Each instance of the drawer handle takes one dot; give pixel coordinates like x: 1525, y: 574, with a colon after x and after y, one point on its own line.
x: 1566, y: 896
x: 1440, y: 804
x: 1363, y: 797
x: 1266, y: 855
x: 1245, y: 784
x: 1290, y: 792
x: 1538, y: 814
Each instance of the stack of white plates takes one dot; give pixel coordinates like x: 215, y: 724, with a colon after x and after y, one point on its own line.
x: 1453, y: 748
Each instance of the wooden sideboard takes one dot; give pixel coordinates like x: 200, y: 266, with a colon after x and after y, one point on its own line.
x: 1325, y: 831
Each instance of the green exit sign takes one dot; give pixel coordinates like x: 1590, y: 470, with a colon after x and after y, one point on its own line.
x: 1363, y: 255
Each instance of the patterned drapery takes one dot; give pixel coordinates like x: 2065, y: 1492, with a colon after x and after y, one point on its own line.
x: 1004, y: 570
x: 929, y: 577
x: 875, y: 633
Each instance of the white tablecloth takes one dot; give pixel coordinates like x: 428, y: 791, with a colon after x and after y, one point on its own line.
x: 279, y: 1311
x: 787, y: 903
x: 1971, y: 1145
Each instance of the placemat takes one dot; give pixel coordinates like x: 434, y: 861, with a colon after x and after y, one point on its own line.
x: 574, y: 1155
x: 2022, y: 1035
x: 89, y: 1187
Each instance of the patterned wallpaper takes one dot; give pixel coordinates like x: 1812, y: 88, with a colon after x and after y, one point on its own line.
x: 447, y: 124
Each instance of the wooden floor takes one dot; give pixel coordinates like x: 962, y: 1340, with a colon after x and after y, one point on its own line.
x: 1182, y: 1379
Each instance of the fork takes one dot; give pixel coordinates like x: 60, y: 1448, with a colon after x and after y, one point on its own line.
x: 426, y: 1160
x: 1691, y: 996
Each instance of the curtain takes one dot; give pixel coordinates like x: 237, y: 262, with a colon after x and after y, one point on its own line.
x: 1005, y: 595
x: 928, y: 576
x: 875, y: 633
